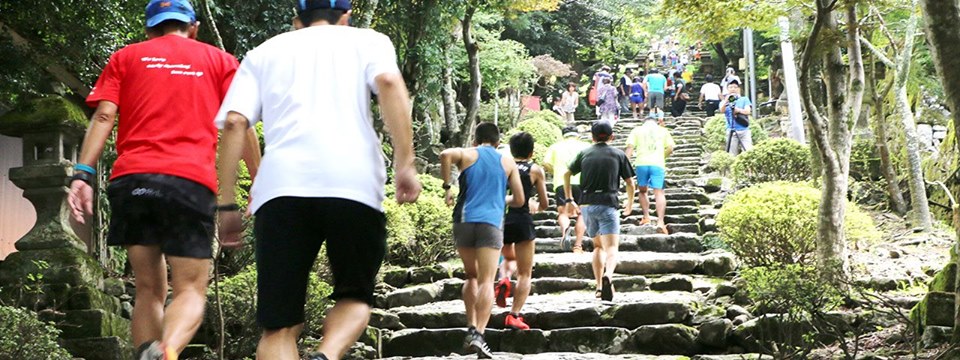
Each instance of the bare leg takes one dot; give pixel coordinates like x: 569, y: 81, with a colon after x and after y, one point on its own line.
x: 486, y: 260
x: 599, y: 257
x: 611, y: 246
x: 644, y: 204
x: 580, y: 229
x: 509, y: 264
x: 150, y: 271
x: 470, y: 288
x: 661, y: 200
x: 185, y: 313
x: 344, y: 324
x: 524, y: 253
x: 279, y: 344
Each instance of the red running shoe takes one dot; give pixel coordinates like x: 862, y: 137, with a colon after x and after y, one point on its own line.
x: 516, y: 322
x: 502, y: 291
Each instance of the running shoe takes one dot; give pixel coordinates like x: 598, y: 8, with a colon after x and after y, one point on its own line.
x: 516, y: 322
x: 663, y: 230
x: 317, y: 356
x: 565, y: 239
x: 502, y: 291
x: 606, y: 289
x: 477, y: 345
x: 153, y: 351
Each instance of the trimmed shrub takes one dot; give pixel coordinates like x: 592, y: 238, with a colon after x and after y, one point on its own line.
x: 238, y: 297
x: 716, y: 130
x: 721, y: 162
x: 431, y: 187
x: 791, y: 289
x: 418, y: 234
x: 771, y: 224
x: 546, y: 115
x: 24, y: 337
x: 544, y: 134
x: 779, y: 159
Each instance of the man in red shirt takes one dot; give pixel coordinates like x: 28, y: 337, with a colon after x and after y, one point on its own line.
x: 162, y: 189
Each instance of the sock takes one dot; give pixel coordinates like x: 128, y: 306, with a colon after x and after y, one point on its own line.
x: 516, y: 315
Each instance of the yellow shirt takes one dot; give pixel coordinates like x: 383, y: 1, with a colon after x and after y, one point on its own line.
x: 650, y: 142
x: 687, y: 77
x: 560, y: 155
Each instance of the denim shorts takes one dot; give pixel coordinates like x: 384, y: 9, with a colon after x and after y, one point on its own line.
x: 601, y: 220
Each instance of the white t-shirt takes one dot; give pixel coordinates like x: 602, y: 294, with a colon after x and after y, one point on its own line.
x: 711, y: 91
x: 311, y: 88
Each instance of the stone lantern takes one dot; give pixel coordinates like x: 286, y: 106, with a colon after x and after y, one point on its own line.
x: 706, y: 63
x: 70, y: 280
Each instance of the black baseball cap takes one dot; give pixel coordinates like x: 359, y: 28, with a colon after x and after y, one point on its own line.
x: 601, y: 129
x: 305, y: 5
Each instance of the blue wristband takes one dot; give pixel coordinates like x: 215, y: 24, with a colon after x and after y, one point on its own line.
x: 85, y: 168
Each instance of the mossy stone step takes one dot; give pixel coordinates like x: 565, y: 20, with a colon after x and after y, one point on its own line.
x: 636, y: 263
x: 649, y: 241
x: 628, y: 310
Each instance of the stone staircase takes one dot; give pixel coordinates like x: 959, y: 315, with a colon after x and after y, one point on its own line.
x: 673, y: 298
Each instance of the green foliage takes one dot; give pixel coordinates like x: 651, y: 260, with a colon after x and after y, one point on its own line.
x: 721, y: 162
x: 504, y: 64
x: 771, y: 224
x: 24, y: 337
x: 779, y: 159
x: 238, y: 297
x: 432, y: 187
x: 864, y: 160
x: 713, y: 21
x: 716, y: 130
x: 544, y: 134
x: 418, y: 234
x: 546, y: 115
x: 791, y: 288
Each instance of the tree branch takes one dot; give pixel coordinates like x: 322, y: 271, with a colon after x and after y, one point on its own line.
x: 883, y: 58
x: 57, y: 71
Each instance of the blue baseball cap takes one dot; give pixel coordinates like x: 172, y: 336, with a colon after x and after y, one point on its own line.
x: 325, y: 4
x: 162, y: 10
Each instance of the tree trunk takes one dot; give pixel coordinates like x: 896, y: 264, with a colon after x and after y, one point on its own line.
x: 722, y: 55
x: 944, y: 35
x: 367, y: 17
x: 450, y: 121
x: 918, y: 192
x: 832, y: 135
x: 57, y: 71
x: 473, y: 60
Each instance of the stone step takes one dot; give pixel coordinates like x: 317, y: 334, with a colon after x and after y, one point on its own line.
x: 649, y: 240
x: 589, y: 356
x: 714, y: 263
x: 578, y: 343
x: 628, y: 310
x: 451, y: 289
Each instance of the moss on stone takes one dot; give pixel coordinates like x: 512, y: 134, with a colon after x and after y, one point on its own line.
x: 43, y: 114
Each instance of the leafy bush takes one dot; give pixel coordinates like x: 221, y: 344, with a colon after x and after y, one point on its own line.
x: 431, y: 187
x: 548, y: 116
x: 776, y: 223
x: 418, y: 234
x: 864, y: 160
x: 24, y: 337
x: 544, y: 134
x: 716, y: 130
x: 721, y: 162
x: 791, y: 288
x: 779, y: 159
x: 238, y: 297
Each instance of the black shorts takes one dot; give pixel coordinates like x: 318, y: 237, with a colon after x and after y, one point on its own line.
x: 290, y: 231
x: 561, y: 196
x: 518, y: 232
x: 153, y: 209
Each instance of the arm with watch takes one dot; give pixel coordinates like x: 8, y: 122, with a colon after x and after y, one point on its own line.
x: 448, y: 158
x: 80, y: 197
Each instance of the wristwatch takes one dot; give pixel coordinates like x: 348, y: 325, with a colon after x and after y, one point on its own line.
x: 82, y: 176
x: 446, y: 186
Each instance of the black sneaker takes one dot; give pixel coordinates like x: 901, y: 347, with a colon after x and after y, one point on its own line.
x: 317, y: 356
x: 149, y: 351
x: 477, y: 345
x: 606, y: 289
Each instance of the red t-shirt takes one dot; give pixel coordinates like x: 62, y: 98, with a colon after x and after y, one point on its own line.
x: 168, y: 90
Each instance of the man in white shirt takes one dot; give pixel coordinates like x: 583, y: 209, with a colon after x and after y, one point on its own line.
x: 710, y: 93
x: 322, y: 179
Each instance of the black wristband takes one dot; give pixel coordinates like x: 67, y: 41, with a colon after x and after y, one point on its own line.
x: 446, y: 186
x: 82, y: 176
x: 228, y: 207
